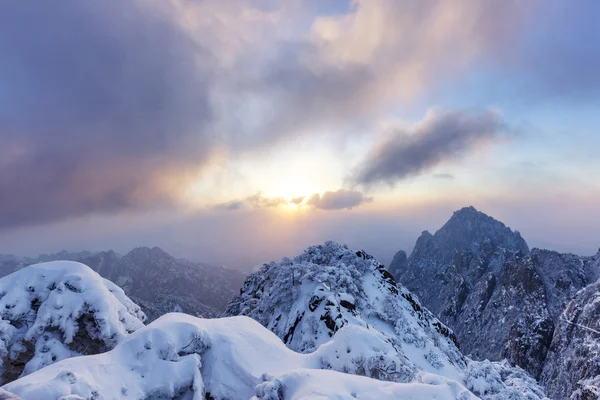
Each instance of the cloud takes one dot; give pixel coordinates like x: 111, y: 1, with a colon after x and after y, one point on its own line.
x: 444, y: 176
x: 358, y: 64
x: 297, y: 200
x: 259, y: 201
x: 255, y: 201
x: 413, y: 150
x: 338, y: 200
x: 230, y: 205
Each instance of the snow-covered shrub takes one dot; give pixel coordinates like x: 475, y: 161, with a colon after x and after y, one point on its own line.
x: 314, y: 297
x: 56, y: 310
x: 500, y: 381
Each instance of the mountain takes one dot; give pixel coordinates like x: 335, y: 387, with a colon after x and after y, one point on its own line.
x: 161, y: 283
x: 155, y: 280
x: 328, y: 291
x: 57, y: 310
x: 357, y: 335
x: 572, y: 367
x: 501, y: 300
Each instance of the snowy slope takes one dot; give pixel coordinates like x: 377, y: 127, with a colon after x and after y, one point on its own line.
x: 52, y: 311
x: 179, y: 356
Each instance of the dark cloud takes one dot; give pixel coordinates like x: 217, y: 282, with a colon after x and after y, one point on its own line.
x: 338, y: 200
x: 99, y: 100
x: 438, y: 137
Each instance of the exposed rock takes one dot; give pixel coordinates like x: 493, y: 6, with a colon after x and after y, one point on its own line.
x: 572, y: 367
x: 399, y: 263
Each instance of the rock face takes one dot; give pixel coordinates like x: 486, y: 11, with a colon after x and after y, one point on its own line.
x: 155, y: 280
x: 329, y: 291
x: 501, y: 300
x: 573, y: 364
x: 57, y: 310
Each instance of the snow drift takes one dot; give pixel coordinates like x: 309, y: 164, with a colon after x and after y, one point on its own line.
x: 56, y: 310
x: 180, y: 356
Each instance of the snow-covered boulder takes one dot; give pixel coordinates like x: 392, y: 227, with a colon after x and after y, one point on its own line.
x: 56, y: 310
x: 180, y: 356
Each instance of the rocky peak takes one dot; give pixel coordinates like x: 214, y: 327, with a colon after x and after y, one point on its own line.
x: 475, y: 274
x: 399, y: 263
x: 469, y: 229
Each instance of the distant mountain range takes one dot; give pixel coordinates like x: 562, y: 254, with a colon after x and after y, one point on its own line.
x: 153, y: 279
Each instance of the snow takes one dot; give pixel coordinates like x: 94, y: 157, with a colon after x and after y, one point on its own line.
x: 305, y: 384
x: 230, y: 358
x: 62, y: 309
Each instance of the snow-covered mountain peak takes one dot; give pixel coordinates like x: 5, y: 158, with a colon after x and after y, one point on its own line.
x: 308, y: 299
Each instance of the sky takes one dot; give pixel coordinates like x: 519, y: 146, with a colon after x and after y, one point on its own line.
x: 237, y: 132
